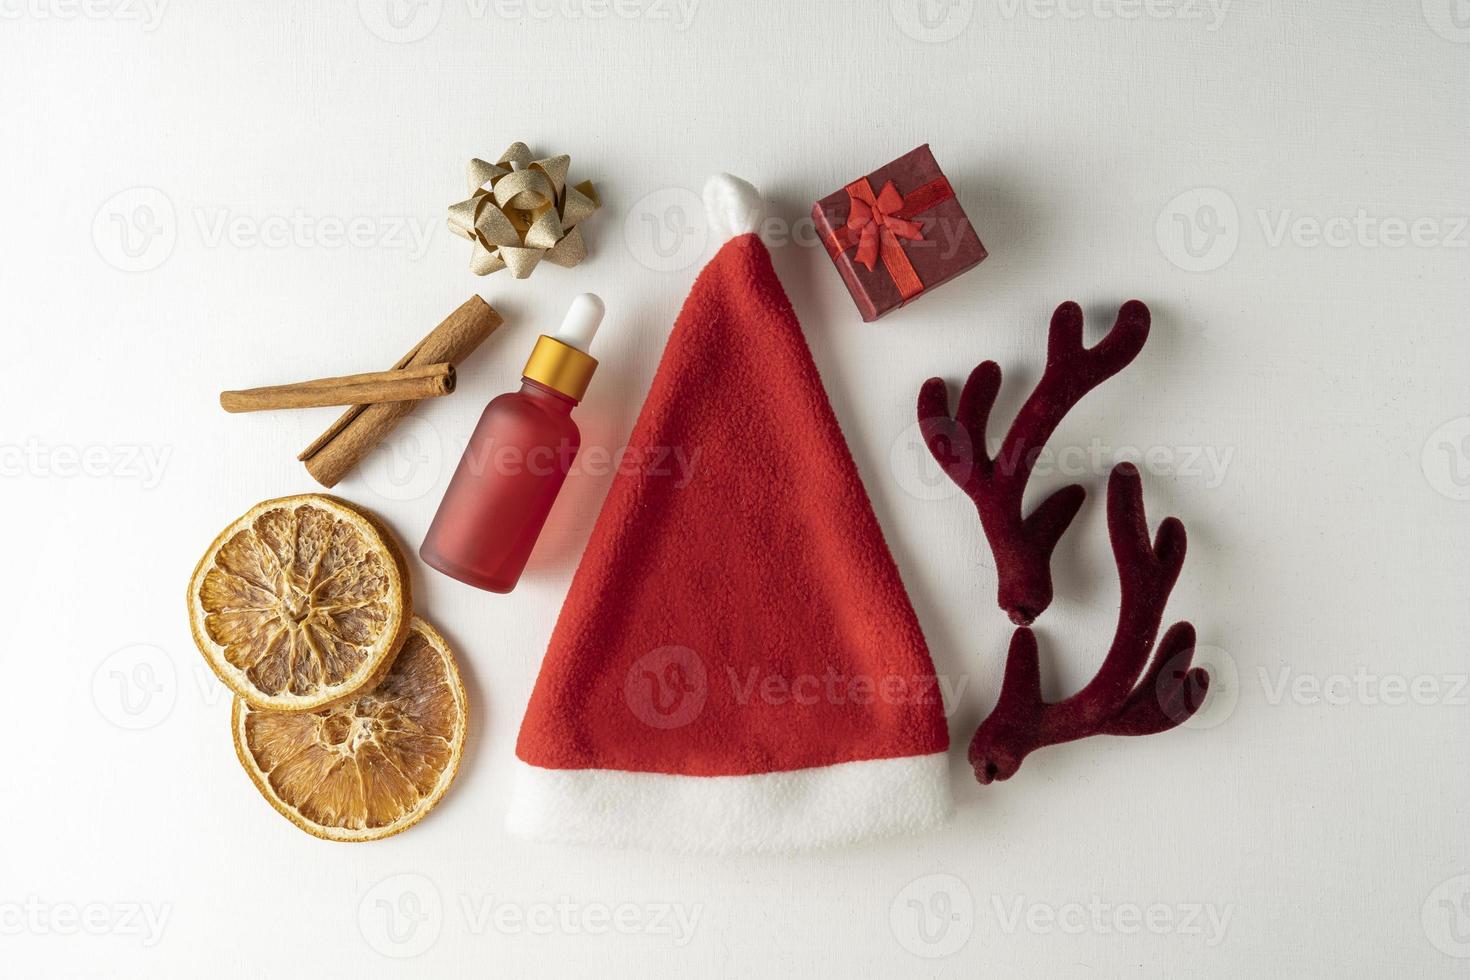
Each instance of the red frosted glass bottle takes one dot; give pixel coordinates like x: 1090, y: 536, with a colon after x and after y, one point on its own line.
x: 516, y: 461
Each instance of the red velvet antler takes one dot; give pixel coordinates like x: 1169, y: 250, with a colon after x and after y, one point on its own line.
x: 1023, y: 545
x: 1129, y: 695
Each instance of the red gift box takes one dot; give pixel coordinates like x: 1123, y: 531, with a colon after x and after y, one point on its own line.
x: 897, y: 233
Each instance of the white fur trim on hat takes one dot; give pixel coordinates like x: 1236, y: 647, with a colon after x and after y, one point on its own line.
x: 776, y: 811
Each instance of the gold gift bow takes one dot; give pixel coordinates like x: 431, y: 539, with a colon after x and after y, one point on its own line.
x: 521, y: 211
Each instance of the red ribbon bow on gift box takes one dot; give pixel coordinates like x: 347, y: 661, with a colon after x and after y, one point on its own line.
x: 876, y: 222
x: 876, y: 218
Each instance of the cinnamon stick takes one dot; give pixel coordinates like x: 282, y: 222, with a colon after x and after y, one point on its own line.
x: 336, y: 451
x: 397, y: 385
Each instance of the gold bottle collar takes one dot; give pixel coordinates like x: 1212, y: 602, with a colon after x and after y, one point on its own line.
x: 560, y: 367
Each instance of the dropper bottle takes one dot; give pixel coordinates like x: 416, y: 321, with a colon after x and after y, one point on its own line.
x: 516, y: 461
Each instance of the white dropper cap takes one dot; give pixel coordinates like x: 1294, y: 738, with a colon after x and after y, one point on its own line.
x: 581, y: 322
x: 560, y: 361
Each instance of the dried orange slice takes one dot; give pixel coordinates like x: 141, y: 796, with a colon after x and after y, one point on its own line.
x: 368, y: 766
x: 301, y: 601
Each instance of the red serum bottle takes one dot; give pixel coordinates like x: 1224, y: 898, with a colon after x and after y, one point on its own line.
x: 516, y: 461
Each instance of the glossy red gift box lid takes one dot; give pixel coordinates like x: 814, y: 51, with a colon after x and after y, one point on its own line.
x: 919, y: 217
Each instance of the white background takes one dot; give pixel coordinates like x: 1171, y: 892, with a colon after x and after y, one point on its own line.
x: 172, y: 181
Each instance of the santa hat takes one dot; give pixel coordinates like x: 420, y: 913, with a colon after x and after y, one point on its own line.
x: 737, y: 666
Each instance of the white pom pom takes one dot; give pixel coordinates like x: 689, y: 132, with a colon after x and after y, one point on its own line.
x: 732, y: 206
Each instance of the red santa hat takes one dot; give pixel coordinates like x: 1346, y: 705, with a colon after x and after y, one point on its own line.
x: 737, y: 666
